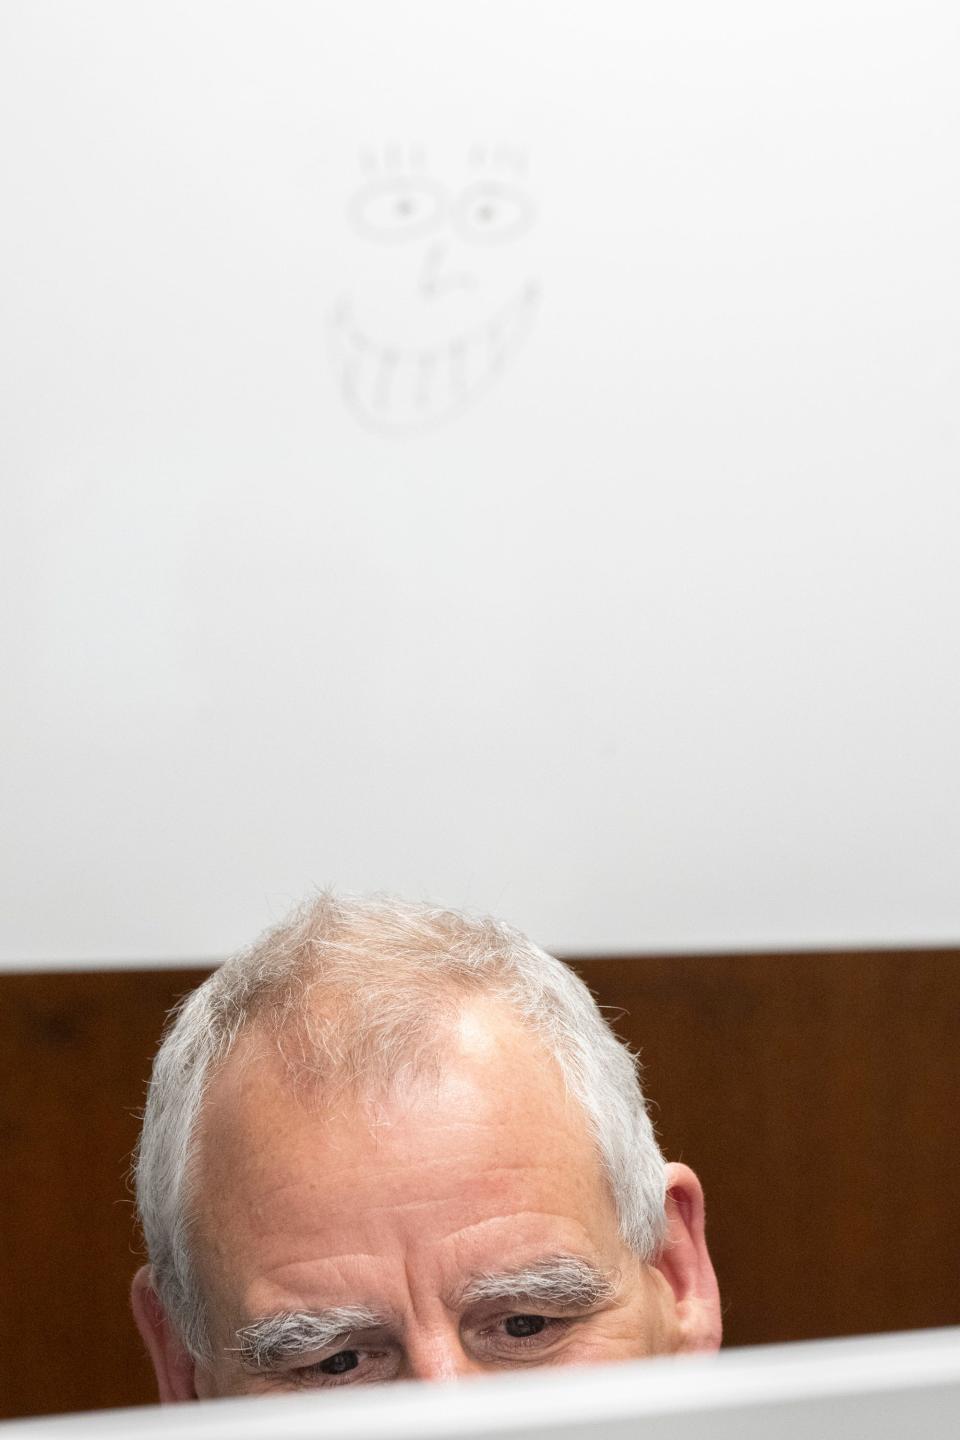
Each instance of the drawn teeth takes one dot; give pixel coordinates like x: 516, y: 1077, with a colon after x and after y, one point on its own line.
x: 392, y: 388
x: 386, y: 371
x: 458, y: 367
x: 426, y: 370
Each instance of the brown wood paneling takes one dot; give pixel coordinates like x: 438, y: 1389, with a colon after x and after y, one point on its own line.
x: 75, y: 1052
x: 816, y: 1095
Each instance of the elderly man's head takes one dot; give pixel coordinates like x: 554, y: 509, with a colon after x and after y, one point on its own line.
x: 395, y: 1142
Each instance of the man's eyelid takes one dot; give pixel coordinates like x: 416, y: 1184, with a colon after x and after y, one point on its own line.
x: 556, y: 1330
x: 483, y: 1313
x: 374, y: 1340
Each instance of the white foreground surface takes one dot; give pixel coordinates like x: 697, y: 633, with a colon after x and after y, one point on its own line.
x: 884, y: 1388
x: 502, y: 452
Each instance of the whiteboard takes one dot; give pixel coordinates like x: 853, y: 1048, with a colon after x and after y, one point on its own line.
x: 499, y: 453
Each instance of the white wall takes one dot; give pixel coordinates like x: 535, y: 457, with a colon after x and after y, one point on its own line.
x: 506, y: 453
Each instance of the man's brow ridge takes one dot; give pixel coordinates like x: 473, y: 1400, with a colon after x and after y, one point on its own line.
x: 563, y: 1281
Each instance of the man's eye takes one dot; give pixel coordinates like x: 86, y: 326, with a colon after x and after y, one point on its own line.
x: 520, y: 1326
x: 343, y: 1367
x: 340, y: 1363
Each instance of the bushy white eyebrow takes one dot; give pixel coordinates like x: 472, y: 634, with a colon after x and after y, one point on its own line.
x: 274, y: 1339
x: 564, y: 1281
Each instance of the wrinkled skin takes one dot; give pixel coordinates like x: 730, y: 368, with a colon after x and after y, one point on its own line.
x: 485, y: 1166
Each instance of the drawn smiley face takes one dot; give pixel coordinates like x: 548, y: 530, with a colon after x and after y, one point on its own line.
x: 444, y: 296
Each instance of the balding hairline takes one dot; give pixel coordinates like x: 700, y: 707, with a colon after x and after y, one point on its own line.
x: 404, y: 969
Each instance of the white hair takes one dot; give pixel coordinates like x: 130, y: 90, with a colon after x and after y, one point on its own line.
x: 355, y: 991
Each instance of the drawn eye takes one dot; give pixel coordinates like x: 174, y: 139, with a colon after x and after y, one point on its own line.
x: 397, y: 209
x: 491, y: 210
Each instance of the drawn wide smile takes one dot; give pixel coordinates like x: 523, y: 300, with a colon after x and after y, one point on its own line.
x: 405, y: 387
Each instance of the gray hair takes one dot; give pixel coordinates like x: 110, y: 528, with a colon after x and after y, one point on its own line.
x: 354, y: 991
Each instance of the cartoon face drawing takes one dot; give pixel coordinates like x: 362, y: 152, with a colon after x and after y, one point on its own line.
x: 445, y: 297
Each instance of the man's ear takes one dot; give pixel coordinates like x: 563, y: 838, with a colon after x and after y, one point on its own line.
x: 173, y: 1364
x: 685, y: 1264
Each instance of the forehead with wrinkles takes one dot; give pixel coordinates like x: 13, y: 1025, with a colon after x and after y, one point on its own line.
x: 489, y: 1130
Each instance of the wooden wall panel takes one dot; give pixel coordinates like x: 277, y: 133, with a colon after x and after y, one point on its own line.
x: 75, y: 1051
x: 816, y: 1095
